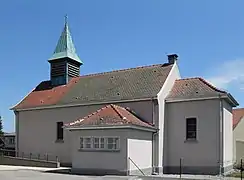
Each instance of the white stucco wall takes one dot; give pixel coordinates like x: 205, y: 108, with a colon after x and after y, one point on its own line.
x: 99, y: 160
x: 133, y: 143
x: 36, y: 129
x: 173, y: 75
x: 140, y: 151
x: 203, y: 152
x: 227, y: 134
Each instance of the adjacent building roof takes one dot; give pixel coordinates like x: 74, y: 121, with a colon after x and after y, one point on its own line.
x: 194, y: 88
x: 110, y: 115
x: 238, y: 114
x: 65, y: 47
x: 127, y: 84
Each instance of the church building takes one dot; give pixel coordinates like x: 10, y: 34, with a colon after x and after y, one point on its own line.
x: 139, y: 120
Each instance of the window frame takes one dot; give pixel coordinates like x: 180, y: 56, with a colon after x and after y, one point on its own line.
x: 99, y: 148
x: 189, y: 131
x: 99, y: 142
x: 58, y: 136
x: 113, y: 143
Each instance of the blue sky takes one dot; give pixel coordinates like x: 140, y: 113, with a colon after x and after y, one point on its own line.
x: 207, y: 35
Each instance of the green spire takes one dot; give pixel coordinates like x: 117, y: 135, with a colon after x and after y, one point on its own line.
x: 65, y: 46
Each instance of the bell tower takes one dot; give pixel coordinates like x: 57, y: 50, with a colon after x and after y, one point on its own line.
x: 64, y: 63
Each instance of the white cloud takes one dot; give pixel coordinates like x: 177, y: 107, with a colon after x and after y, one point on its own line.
x: 229, y: 73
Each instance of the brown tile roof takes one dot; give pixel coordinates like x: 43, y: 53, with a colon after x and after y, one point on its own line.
x: 237, y: 116
x: 127, y: 84
x: 191, y: 88
x: 110, y: 115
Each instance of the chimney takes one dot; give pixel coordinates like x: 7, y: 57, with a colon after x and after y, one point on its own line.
x: 172, y: 58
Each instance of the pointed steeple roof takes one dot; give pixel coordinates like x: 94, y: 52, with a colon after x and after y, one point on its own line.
x: 65, y: 46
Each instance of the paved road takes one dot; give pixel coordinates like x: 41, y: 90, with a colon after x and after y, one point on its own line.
x: 28, y: 173
x: 37, y: 175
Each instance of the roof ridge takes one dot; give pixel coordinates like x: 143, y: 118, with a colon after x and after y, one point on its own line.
x: 189, y: 78
x: 87, y: 116
x: 205, y: 82
x: 211, y: 85
x: 120, y: 115
x: 119, y: 111
x: 127, y: 69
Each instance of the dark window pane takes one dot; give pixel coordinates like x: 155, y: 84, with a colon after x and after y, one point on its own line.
x: 102, y: 140
x: 88, y: 142
x: 110, y: 140
x: 96, y: 140
x: 110, y: 146
x: 81, y: 143
x: 191, y: 135
x: 60, y: 131
x: 191, y: 121
x: 191, y: 128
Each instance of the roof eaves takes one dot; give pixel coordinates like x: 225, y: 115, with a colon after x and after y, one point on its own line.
x: 96, y: 127
x: 227, y: 96
x: 232, y: 100
x: 171, y: 100
x: 82, y: 104
x: 16, y: 105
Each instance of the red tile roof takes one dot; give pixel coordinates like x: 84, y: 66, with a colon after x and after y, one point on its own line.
x: 110, y: 115
x: 193, y: 88
x: 45, y: 94
x: 237, y: 116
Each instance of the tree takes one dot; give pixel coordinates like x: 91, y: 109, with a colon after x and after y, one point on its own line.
x: 1, y: 126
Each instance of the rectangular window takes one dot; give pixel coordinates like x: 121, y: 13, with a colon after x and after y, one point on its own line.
x: 113, y: 143
x: 88, y: 144
x: 81, y: 142
x: 99, y: 143
x: 96, y: 143
x: 60, y: 131
x: 102, y: 143
x: 191, y: 128
x: 85, y: 143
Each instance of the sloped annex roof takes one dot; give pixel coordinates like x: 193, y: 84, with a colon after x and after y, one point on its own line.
x: 109, y: 116
x: 238, y: 115
x: 193, y: 88
x: 127, y: 84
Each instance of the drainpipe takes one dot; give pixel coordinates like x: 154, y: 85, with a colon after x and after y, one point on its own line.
x: 154, y: 147
x: 16, y: 132
x: 221, y: 136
